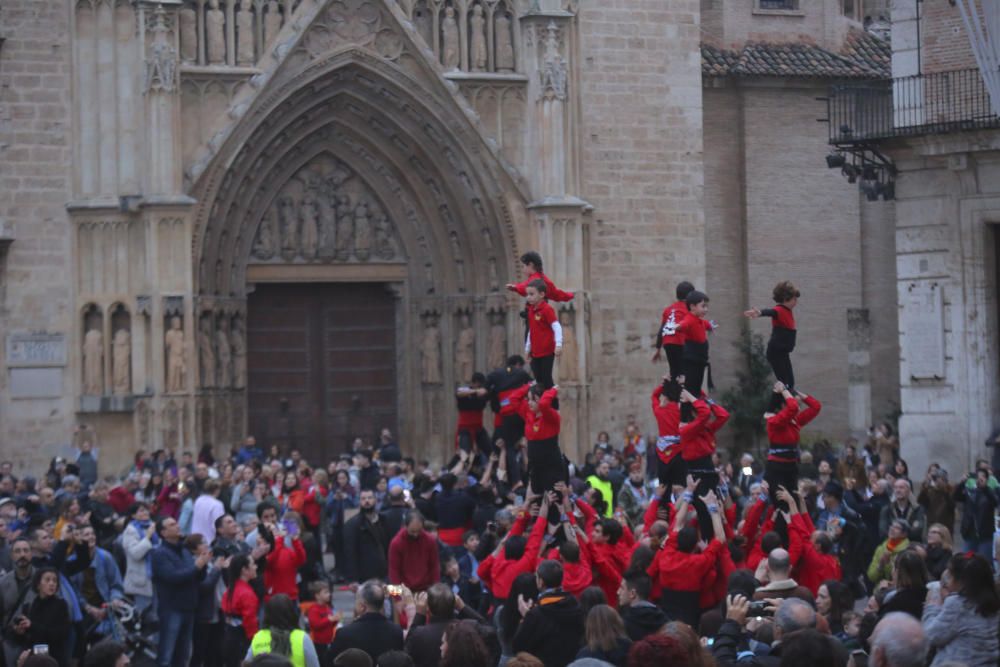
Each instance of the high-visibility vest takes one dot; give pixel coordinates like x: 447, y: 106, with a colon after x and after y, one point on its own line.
x: 261, y: 643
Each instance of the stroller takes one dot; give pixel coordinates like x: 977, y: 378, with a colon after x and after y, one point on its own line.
x: 136, y: 632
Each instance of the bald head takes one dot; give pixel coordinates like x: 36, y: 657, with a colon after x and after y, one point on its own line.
x: 779, y: 564
x: 898, y: 641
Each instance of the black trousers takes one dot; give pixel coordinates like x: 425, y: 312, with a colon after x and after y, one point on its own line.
x: 481, y: 440
x: 546, y: 467
x: 675, y: 359
x: 510, y: 430
x: 781, y: 364
x: 205, y: 647
x: 673, y: 473
x: 234, y: 646
x: 694, y: 376
x: 703, y: 471
x: 781, y: 473
x: 541, y: 368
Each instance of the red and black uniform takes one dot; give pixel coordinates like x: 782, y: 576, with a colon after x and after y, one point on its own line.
x: 671, y: 468
x: 681, y: 576
x: 552, y: 292
x: 694, y: 360
x: 470, y: 429
x: 508, y: 425
x: 546, y: 464
x: 544, y: 336
x: 814, y: 567
x: 782, y: 467
x: 671, y: 336
x: 782, y: 342
x: 697, y: 447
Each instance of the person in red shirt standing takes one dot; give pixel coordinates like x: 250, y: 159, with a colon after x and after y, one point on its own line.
x: 784, y: 421
x: 322, y: 621
x: 239, y: 609
x: 669, y: 339
x: 544, y: 341
x: 413, y: 556
x: 782, y: 342
x: 666, y: 404
x: 286, y: 556
x: 694, y: 329
x: 546, y: 465
x: 532, y: 262
x: 471, y: 400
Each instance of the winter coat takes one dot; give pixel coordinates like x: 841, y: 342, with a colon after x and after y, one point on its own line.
x: 553, y: 630
x: 366, y: 549
x: 618, y: 656
x: 137, y: 575
x: 175, y: 578
x: 643, y: 619
x: 939, y: 504
x: 979, y: 507
x: 914, y: 515
x: 960, y: 635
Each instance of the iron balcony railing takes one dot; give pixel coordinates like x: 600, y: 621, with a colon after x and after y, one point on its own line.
x: 909, y: 106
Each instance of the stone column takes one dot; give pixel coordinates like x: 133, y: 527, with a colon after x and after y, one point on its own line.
x: 161, y: 88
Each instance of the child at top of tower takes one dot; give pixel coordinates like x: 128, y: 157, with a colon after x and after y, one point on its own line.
x: 532, y: 262
x: 544, y: 342
x: 670, y: 337
x: 783, y: 332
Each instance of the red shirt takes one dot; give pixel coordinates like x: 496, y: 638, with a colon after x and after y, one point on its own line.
x: 414, y: 562
x: 282, y: 565
x: 783, y: 428
x: 543, y: 339
x: 320, y: 625
x: 698, y: 437
x: 814, y: 568
x: 670, y: 331
x: 576, y: 576
x: 120, y: 499
x: 312, y: 505
x: 679, y: 571
x: 783, y: 317
x: 551, y: 291
x: 694, y: 329
x: 241, y: 601
x: 668, y: 422
x: 545, y: 424
x: 498, y: 574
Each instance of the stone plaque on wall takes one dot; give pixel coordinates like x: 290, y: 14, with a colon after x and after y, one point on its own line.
x: 923, y: 328
x: 36, y: 350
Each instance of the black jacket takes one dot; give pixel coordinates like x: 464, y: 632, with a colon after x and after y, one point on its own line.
x: 423, y: 643
x: 907, y: 600
x: 937, y: 560
x: 366, y: 549
x: 643, y: 620
x: 731, y: 641
x: 553, y: 630
x: 618, y: 656
x: 977, y: 513
x: 373, y: 633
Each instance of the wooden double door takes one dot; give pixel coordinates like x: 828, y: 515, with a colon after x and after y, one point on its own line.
x: 321, y: 363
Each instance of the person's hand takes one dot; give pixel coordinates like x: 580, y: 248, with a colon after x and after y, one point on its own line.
x: 22, y: 626
x: 656, y: 355
x: 691, y: 484
x: 702, y: 545
x: 524, y: 606
x: 709, y: 498
x: 779, y: 387
x: 511, y: 286
x: 783, y: 494
x: 221, y: 563
x: 150, y: 531
x: 558, y: 351
x: 202, y: 560
x: 661, y: 491
x: 737, y: 608
x: 260, y: 551
x: 420, y: 602
x: 761, y: 573
x: 773, y: 604
x: 752, y: 313
x: 459, y: 603
x: 934, y: 595
x: 687, y: 396
x: 463, y: 455
x: 97, y: 613
x: 884, y: 558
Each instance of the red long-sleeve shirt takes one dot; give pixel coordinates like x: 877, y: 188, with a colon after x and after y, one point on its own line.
x: 783, y: 428
x: 694, y: 329
x: 576, y: 576
x: 312, y: 504
x: 541, y: 337
x: 320, y: 625
x: 545, y: 424
x: 282, y: 565
x: 670, y: 332
x: 414, y: 561
x: 668, y: 421
x: 699, y: 442
x: 609, y: 578
x: 813, y: 568
x: 552, y: 292
x: 678, y: 571
x: 240, y: 601
x: 498, y: 573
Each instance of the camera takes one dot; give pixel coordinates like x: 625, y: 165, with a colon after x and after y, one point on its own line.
x: 394, y: 591
x: 759, y: 608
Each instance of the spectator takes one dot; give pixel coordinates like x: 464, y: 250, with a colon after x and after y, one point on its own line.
x: 102, y: 514
x: 508, y: 616
x: 552, y: 628
x: 246, y: 494
x: 227, y: 543
x: 780, y: 583
x: 353, y: 657
x: 909, y: 586
x: 370, y: 631
x: 455, y: 507
x: 634, y: 496
x: 107, y: 653
x: 601, y: 481
x: 937, y: 497
x: 423, y: 642
x: 459, y: 583
x: 206, y: 650
x: 604, y: 636
x: 524, y: 660
x: 963, y: 626
x: 122, y: 497
x: 285, y: 556
x: 47, y: 618
x: 103, y: 586
x: 657, y: 651
x: 852, y: 467
x: 323, y: 620
x: 281, y: 634
x: 641, y: 617
x: 15, y: 589
x: 462, y: 646
x: 898, y: 641
x: 341, y: 498
x: 881, y: 565
x: 366, y: 541
x: 903, y: 507
x: 809, y: 647
x: 175, y: 576
x: 207, y: 508
x: 239, y: 609
x: 833, y: 600
x: 979, y: 505
x: 939, y: 549
x: 413, y: 556
x: 249, y: 452
x: 395, y: 659
x: 368, y: 474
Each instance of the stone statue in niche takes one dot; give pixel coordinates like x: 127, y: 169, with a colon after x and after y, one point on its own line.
x: 424, y: 22
x: 326, y: 201
x: 362, y: 232
x: 465, y: 353
x: 244, y: 35
x: 344, y: 227
x: 272, y: 22
x: 171, y: 425
x: 189, y: 34
x: 264, y: 246
x: 206, y: 353
x: 494, y: 278
x: 93, y: 362
x: 569, y: 361
x: 225, y: 356
x: 504, y: 43
x: 215, y: 33
x: 497, y: 353
x: 478, y: 50
x: 174, y: 347
x: 309, y: 230
x: 449, y: 34
x: 239, y: 345
x: 288, y: 225
x: 385, y: 246
x: 121, y: 363
x: 430, y: 353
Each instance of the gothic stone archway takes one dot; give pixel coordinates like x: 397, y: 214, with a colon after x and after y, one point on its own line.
x: 358, y: 164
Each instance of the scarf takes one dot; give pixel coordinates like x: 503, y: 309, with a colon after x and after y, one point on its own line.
x: 141, y: 527
x: 892, y: 544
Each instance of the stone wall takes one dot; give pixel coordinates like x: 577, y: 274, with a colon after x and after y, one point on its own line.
x: 729, y: 24
x: 35, y: 162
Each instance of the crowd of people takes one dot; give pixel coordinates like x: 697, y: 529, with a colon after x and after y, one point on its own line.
x: 650, y: 551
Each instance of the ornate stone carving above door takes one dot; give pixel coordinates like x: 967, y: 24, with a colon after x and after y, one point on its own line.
x: 325, y: 213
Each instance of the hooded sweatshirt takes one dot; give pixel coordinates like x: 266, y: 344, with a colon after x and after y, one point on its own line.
x: 553, y: 630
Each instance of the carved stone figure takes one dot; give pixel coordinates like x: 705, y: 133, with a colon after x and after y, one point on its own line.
x: 385, y: 246
x: 239, y: 345
x: 206, y: 353
x: 553, y: 74
x: 494, y: 277
x: 497, y: 352
x: 362, y: 232
x: 93, y: 362
x: 344, y: 227
x: 478, y: 51
x: 309, y: 230
x: 569, y: 361
x: 465, y: 353
x: 326, y: 202
x: 121, y: 363
x: 264, y: 246
x: 174, y: 348
x: 272, y: 22
x: 288, y: 227
x: 449, y: 33
x: 430, y: 354
x: 424, y: 22
x: 244, y: 35
x: 215, y: 33
x: 189, y: 34
x: 504, y: 43
x: 225, y: 357
x: 160, y: 72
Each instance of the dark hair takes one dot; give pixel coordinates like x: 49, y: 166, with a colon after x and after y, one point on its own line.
x: 672, y: 390
x: 777, y: 403
x: 36, y: 581
x: 281, y: 617
x: 841, y: 599
x: 479, y: 378
x: 514, y: 548
x: 770, y: 541
x: 640, y: 583
x: 440, y: 601
x: 974, y: 576
x: 570, y: 551
x: 266, y: 504
x: 352, y: 657
x: 160, y: 520
x: 218, y: 521
x: 448, y: 481
x: 807, y: 647
x: 551, y: 573
x: 611, y: 529
x: 641, y: 559
x: 683, y: 289
x: 465, y: 647
x: 539, y: 285
x: 784, y: 291
x: 532, y: 257
x: 824, y: 543
x: 372, y: 593
x: 536, y: 390
x: 695, y: 297
x: 911, y: 572
x: 510, y: 615
x: 104, y: 654
x: 233, y: 572
x: 395, y: 659
x: 515, y: 360
x: 687, y: 539
x: 591, y: 597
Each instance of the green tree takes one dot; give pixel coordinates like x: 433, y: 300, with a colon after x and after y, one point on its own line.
x: 748, y: 399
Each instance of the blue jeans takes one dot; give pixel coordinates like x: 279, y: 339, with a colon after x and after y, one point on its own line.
x: 176, y: 634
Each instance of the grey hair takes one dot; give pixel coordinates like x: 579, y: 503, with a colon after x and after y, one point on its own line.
x: 794, y: 614
x: 902, y: 524
x: 900, y: 638
x: 372, y: 593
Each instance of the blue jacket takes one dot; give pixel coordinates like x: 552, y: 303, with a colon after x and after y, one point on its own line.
x: 175, y: 578
x: 108, y: 580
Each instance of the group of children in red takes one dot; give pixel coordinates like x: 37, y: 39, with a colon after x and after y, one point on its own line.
x: 687, y: 574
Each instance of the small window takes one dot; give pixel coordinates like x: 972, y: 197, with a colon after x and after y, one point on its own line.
x: 787, y: 5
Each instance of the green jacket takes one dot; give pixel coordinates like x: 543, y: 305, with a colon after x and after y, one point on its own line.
x: 876, y: 570
x: 262, y: 644
x: 605, y: 488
